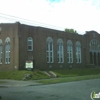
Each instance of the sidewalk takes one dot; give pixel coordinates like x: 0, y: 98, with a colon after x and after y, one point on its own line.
x: 16, y: 83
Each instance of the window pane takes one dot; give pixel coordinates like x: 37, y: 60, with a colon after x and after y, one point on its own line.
x: 50, y: 46
x: 71, y: 60
x: 60, y: 48
x: 58, y: 59
x: 49, y: 49
x: 70, y: 55
x: 51, y: 54
x: 61, y: 59
x: 0, y: 54
x: 7, y: 53
x: 76, y: 60
x: 6, y: 59
x: 0, y: 48
x: 29, y: 42
x: 79, y: 60
x: 68, y: 48
x: 50, y: 59
x: 9, y: 60
x: 71, y: 49
x: 58, y: 55
x: 47, y: 59
x: 29, y: 47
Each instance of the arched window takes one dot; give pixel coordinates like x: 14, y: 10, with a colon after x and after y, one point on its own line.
x: 78, y: 52
x: 60, y: 51
x: 49, y: 50
x: 30, y: 44
x: 94, y: 52
x: 94, y: 46
x: 70, y: 51
x: 7, y: 50
x: 0, y: 51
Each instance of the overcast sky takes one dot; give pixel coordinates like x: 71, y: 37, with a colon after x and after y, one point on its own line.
x: 82, y: 15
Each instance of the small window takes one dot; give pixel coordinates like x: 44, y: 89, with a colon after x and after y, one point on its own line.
x: 0, y: 51
x: 7, y: 50
x: 30, y: 44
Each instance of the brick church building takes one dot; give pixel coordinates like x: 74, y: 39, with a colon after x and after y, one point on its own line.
x: 46, y: 48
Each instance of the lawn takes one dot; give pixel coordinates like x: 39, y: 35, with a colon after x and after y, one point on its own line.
x: 69, y: 74
x: 68, y: 79
x: 19, y: 75
x: 77, y: 72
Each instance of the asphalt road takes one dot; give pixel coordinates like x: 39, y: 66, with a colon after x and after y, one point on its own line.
x: 79, y: 90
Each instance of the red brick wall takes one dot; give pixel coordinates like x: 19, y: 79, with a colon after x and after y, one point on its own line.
x: 10, y: 30
x: 19, y: 33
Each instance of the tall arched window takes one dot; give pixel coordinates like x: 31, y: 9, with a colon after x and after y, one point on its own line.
x: 7, y: 50
x: 78, y: 52
x: 30, y: 44
x: 49, y: 50
x: 70, y: 51
x: 0, y: 51
x: 94, y: 46
x: 60, y: 51
x: 94, y: 52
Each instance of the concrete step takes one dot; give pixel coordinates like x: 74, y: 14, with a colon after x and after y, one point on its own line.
x: 51, y: 74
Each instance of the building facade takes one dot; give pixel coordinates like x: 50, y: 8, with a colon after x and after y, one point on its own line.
x: 47, y: 48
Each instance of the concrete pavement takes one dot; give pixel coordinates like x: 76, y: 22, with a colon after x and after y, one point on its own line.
x: 16, y: 83
x: 79, y: 90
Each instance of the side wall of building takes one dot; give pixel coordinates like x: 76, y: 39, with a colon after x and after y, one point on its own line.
x: 38, y: 55
x: 55, y: 35
x: 10, y: 30
x: 19, y: 53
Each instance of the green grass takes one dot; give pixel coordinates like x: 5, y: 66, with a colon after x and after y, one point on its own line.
x: 19, y: 75
x: 77, y: 72
x: 69, y: 75
x: 69, y: 79
x: 63, y: 75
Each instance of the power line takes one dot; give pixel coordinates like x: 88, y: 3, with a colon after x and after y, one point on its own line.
x: 14, y: 18
x: 18, y: 18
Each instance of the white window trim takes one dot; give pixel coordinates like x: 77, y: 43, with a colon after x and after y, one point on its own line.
x: 7, y: 57
x: 49, y: 42
x: 60, y: 52
x: 1, y: 57
x: 94, y: 46
x: 7, y: 51
x: 1, y: 51
x: 70, y: 51
x: 78, y: 52
x: 30, y: 40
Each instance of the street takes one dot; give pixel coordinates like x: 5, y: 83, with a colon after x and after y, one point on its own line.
x: 79, y: 90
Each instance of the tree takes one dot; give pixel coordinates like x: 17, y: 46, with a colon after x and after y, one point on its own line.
x: 71, y: 31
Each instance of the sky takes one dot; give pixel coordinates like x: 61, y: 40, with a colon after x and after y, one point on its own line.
x: 81, y: 15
